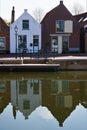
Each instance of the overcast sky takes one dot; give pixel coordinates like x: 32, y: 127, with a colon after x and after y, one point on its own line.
x: 31, y: 5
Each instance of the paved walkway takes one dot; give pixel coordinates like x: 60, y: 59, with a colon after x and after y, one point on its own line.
x: 52, y: 58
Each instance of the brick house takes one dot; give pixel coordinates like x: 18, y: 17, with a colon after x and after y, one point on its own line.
x: 82, y: 20
x: 4, y: 37
x: 60, y: 31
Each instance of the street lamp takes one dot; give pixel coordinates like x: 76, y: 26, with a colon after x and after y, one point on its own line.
x: 16, y: 31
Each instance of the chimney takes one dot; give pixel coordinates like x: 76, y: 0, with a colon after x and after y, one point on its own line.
x: 61, y: 2
x: 13, y: 15
x: 25, y: 10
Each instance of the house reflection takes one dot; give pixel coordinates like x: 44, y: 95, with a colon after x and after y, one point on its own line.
x: 4, y: 94
x: 60, y: 96
x: 25, y: 96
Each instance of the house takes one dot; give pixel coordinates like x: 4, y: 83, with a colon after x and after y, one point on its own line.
x: 82, y: 20
x: 25, y: 34
x: 60, y: 31
x: 4, y: 37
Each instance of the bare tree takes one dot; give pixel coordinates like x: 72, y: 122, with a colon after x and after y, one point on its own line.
x: 77, y: 8
x: 38, y: 14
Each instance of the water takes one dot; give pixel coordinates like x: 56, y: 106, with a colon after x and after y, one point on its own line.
x: 43, y: 101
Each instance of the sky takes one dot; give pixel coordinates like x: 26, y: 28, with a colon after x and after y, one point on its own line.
x: 31, y: 5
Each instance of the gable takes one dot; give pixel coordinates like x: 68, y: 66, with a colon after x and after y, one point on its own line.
x: 26, y: 16
x: 4, y: 28
x: 60, y: 12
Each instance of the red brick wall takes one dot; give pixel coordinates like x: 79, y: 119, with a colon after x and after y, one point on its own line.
x: 5, y: 32
x: 86, y: 42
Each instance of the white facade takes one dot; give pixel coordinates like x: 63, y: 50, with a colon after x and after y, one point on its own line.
x: 28, y: 35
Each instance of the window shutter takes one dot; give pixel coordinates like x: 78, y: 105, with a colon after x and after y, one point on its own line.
x: 68, y: 26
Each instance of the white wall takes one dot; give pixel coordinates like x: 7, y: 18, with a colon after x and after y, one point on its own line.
x: 34, y: 29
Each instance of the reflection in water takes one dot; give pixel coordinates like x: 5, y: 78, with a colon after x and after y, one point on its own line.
x: 59, y: 93
x: 25, y: 96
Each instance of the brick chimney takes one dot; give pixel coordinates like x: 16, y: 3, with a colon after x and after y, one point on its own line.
x: 13, y: 15
x: 61, y: 1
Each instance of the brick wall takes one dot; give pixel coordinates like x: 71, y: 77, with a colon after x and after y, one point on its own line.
x: 86, y: 42
x: 5, y: 32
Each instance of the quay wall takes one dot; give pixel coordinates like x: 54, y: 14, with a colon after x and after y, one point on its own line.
x: 65, y: 64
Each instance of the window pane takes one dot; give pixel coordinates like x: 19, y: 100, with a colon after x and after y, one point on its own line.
x: 60, y: 100
x: 35, y: 40
x: 54, y: 87
x: 59, y: 26
x: 2, y: 86
x: 23, y: 87
x: 54, y: 42
x: 65, y: 86
x: 22, y: 43
x: 25, y: 24
x: 26, y: 104
x: 2, y: 43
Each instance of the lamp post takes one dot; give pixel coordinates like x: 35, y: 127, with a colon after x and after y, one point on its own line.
x: 16, y: 31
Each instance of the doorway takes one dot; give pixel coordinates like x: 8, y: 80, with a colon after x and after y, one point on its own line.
x: 65, y: 45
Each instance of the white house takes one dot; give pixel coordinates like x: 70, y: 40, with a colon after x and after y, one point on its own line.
x: 25, y: 35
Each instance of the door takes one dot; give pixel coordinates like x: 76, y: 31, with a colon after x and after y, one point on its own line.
x: 22, y: 44
x: 65, y: 45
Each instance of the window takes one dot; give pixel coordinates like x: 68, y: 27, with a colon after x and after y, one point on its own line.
x: 65, y: 86
x: 23, y: 87
x: 60, y: 100
x: 35, y: 40
x: 59, y: 26
x: 25, y: 24
x: 2, y: 43
x: 54, y: 43
x: 54, y: 87
x: 2, y: 86
x: 26, y: 104
x: 22, y: 40
x: 22, y: 43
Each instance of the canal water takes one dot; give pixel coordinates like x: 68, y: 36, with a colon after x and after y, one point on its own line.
x: 43, y: 101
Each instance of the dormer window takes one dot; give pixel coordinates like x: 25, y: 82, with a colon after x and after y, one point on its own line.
x: 59, y: 26
x: 25, y: 24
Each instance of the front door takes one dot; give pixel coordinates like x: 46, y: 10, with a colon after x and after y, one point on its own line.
x: 65, y: 45
x: 22, y: 44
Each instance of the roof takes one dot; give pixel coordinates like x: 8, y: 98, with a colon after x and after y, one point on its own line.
x: 60, y: 11
x: 2, y: 21
x: 81, y: 17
